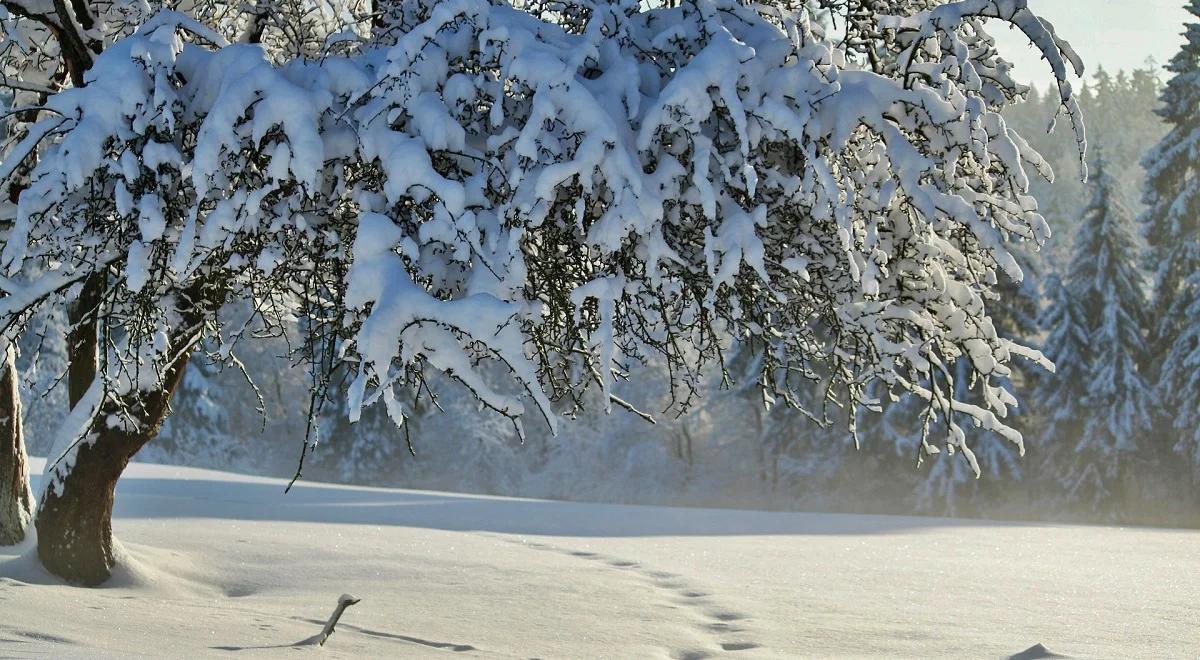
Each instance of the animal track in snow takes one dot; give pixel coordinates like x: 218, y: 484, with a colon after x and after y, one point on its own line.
x: 714, y: 619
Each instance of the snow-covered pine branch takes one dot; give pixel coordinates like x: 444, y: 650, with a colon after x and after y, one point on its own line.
x: 557, y: 195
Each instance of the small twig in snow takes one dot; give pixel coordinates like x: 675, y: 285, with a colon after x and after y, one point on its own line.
x: 346, y: 600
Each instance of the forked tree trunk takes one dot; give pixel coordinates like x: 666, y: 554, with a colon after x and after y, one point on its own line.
x: 16, y: 497
x: 74, y: 520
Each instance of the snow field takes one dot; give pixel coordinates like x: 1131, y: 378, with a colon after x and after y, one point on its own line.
x: 217, y: 563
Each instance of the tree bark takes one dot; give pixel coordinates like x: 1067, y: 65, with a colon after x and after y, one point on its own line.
x: 16, y: 497
x: 83, y: 342
x: 74, y: 518
x: 74, y: 521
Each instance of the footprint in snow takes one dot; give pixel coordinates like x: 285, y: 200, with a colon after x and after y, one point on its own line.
x: 719, y: 621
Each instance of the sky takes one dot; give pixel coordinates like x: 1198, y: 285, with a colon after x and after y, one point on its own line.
x: 1116, y: 34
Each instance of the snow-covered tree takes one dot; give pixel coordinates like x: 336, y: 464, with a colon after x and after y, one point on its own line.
x: 28, y: 400
x: 49, y: 48
x: 1098, y: 339
x: 552, y: 194
x: 1178, y: 382
x: 37, y: 58
x: 1172, y: 231
x: 1059, y: 397
x: 951, y: 484
x: 369, y: 449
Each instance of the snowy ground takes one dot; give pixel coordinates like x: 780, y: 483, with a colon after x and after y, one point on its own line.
x: 222, y: 563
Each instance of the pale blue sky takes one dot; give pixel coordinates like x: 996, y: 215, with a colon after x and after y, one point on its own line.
x: 1118, y: 34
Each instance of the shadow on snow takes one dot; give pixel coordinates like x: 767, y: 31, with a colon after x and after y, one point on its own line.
x: 152, y: 497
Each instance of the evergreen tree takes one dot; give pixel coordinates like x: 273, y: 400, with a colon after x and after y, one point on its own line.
x: 1102, y: 393
x: 1179, y: 374
x: 1060, y: 396
x: 1171, y: 225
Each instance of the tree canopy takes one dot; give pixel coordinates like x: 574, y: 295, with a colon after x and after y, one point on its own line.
x: 552, y: 194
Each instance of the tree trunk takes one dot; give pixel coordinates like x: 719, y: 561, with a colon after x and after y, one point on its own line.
x: 74, y: 518
x: 74, y: 521
x: 83, y: 342
x: 16, y: 497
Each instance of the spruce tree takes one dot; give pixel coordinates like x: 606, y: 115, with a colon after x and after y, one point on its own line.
x: 1100, y: 398
x: 1171, y: 225
x: 1060, y: 395
x: 1171, y: 222
x: 1179, y: 372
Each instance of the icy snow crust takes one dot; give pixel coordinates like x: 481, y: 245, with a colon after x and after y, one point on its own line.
x: 509, y: 196
x: 215, y: 562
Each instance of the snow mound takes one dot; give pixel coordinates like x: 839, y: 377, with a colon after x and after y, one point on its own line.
x: 151, y: 571
x: 1035, y: 652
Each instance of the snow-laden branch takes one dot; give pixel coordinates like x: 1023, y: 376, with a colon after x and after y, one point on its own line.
x: 530, y: 202
x: 946, y: 21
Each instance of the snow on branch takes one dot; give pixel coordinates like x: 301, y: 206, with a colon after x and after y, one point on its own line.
x: 946, y: 21
x: 530, y: 202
